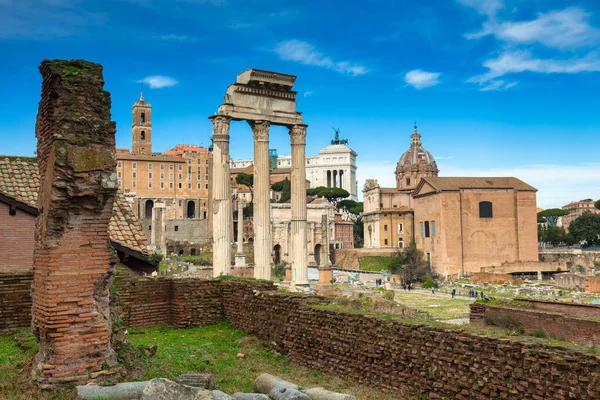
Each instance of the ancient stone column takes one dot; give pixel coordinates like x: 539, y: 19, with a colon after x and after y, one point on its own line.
x: 73, y: 262
x: 262, y: 203
x: 157, y: 234
x: 240, y: 257
x: 298, y: 200
x: 325, y: 261
x: 221, y: 189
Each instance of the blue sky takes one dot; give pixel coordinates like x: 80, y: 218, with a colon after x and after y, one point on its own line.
x: 497, y: 87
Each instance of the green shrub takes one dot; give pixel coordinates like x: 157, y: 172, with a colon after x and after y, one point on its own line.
x: 430, y: 283
x: 388, y: 295
x: 504, y: 321
x: 279, y: 270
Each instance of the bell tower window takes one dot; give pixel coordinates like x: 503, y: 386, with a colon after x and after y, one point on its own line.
x: 143, y: 117
x: 143, y: 135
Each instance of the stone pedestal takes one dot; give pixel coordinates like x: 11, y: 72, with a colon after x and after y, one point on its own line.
x: 298, y: 200
x: 240, y: 260
x: 221, y: 197
x: 262, y: 203
x: 325, y: 275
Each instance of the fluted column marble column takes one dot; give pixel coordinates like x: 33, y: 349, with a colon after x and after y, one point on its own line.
x: 298, y: 258
x: 262, y: 203
x: 240, y: 257
x: 221, y: 197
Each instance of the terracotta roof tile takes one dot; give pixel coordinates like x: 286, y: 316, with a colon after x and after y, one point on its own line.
x: 457, y: 183
x: 19, y: 179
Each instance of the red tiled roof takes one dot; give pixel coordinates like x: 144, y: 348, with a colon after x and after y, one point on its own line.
x: 19, y: 179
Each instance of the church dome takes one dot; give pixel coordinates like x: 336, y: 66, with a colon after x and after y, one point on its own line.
x: 415, y: 162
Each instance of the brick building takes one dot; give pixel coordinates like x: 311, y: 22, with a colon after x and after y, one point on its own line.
x: 19, y: 184
x: 344, y: 232
x: 179, y: 179
x: 461, y: 224
x: 576, y: 209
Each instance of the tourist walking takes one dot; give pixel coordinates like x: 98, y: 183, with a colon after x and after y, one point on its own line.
x: 453, y: 292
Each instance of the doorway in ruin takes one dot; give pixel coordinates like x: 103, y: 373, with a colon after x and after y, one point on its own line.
x: 191, y: 209
x: 318, y: 254
x: 277, y: 254
x: 148, y: 208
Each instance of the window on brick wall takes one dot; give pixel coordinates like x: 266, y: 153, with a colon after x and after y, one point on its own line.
x: 385, y: 228
x: 421, y: 230
x: 133, y: 165
x: 149, y: 165
x: 176, y: 228
x: 133, y: 175
x: 433, y: 233
x: 400, y: 228
x: 170, y: 185
x: 427, y: 233
x: 486, y: 209
x: 162, y: 166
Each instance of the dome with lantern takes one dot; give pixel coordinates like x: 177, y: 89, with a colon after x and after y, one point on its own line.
x: 414, y: 164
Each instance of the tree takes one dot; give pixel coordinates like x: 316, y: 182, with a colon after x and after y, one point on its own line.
x: 554, y: 235
x: 410, y: 265
x: 333, y: 195
x: 247, y: 180
x: 597, y: 204
x: 551, y: 215
x: 586, y: 228
x: 285, y: 188
x: 355, y: 213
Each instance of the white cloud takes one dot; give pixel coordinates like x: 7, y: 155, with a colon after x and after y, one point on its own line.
x: 305, y: 53
x: 307, y: 93
x: 158, y: 81
x: 557, y: 184
x: 421, y: 79
x: 497, y: 85
x: 522, y: 61
x: 484, y: 7
x: 568, y: 28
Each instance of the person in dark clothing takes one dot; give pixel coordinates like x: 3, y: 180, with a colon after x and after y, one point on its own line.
x: 453, y: 292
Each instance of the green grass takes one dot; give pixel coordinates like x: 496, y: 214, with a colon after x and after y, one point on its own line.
x: 438, y: 307
x: 375, y: 264
x: 212, y: 349
x: 200, y: 259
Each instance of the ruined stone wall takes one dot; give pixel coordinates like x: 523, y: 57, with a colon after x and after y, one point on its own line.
x: 15, y: 300
x: 73, y: 263
x: 488, y: 277
x: 569, y: 322
x: 418, y: 359
x: 16, y: 240
x: 145, y: 302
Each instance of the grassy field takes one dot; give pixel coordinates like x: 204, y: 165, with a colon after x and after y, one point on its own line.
x: 438, y: 307
x: 211, y: 349
x: 376, y: 264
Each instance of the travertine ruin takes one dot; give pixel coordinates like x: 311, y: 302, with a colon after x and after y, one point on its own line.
x: 261, y: 98
x: 73, y: 266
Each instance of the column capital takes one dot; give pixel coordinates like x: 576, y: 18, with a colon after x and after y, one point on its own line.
x: 220, y: 127
x: 298, y: 134
x: 261, y: 130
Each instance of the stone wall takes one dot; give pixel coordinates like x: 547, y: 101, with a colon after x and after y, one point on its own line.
x: 414, y: 359
x: 15, y: 300
x: 590, y: 284
x: 348, y: 259
x: 486, y: 277
x: 569, y: 322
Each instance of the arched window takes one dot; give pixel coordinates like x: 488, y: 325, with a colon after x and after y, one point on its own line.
x: 143, y: 135
x: 486, y: 209
x: 148, y: 208
x: 143, y: 117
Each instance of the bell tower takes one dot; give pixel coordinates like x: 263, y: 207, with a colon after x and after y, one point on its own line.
x: 142, y: 127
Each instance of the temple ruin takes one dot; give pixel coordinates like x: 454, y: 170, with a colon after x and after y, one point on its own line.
x: 262, y: 99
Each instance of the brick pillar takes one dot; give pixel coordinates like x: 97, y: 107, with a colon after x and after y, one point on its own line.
x: 73, y: 263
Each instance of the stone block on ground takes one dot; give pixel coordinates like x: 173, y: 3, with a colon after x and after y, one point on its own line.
x: 120, y: 391
x: 218, y: 395
x: 264, y: 383
x: 204, y: 381
x: 280, y: 392
x: 164, y: 389
x: 250, y: 396
x: 323, y: 394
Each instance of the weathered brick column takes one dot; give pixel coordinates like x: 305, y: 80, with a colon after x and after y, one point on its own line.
x: 73, y: 264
